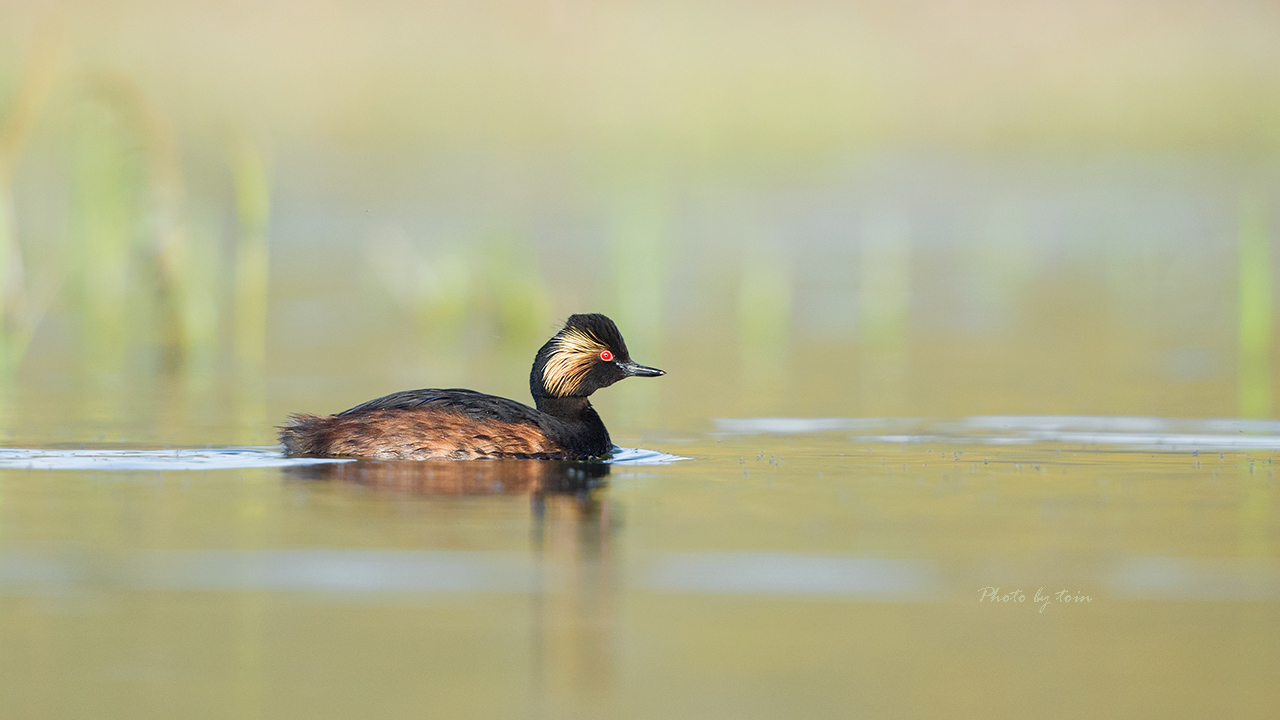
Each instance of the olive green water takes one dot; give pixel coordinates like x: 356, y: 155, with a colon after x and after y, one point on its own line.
x: 769, y: 575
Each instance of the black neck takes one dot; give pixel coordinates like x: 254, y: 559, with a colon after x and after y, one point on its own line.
x: 565, y: 408
x: 580, y: 428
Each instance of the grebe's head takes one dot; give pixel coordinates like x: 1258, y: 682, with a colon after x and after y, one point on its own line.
x: 588, y: 354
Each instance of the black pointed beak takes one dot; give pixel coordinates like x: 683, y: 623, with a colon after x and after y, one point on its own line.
x: 635, y: 370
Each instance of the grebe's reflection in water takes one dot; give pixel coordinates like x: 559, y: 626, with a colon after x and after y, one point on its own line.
x: 463, y: 477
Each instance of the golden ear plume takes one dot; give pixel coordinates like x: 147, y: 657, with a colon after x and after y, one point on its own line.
x: 574, y: 353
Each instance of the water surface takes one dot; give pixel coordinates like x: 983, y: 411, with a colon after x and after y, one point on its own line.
x: 822, y: 567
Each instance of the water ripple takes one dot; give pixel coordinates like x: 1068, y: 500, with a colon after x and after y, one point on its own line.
x: 1147, y: 433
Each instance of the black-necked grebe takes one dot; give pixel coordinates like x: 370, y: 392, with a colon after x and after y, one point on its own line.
x: 586, y: 355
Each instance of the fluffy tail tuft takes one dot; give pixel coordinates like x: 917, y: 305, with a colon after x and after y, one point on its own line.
x: 307, y: 436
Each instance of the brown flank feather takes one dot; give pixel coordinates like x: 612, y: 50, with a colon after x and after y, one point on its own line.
x: 414, y: 434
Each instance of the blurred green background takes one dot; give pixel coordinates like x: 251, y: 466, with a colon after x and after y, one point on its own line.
x: 216, y: 213
x: 213, y: 214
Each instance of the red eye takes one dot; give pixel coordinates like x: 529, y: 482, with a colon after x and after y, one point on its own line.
x: 606, y: 356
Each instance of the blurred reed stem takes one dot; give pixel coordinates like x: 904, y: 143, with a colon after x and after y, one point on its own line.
x: 18, y: 315
x: 1254, y: 380
x: 166, y: 225
x: 108, y: 190
x: 253, y: 204
x: 252, y: 192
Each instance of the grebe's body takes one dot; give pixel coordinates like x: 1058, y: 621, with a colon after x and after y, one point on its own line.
x: 586, y: 355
